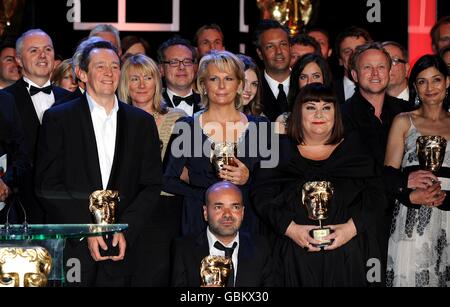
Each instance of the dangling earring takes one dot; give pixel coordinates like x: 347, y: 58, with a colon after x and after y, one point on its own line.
x: 417, y: 100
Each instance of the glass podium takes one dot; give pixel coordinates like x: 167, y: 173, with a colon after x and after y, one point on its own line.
x: 52, y: 237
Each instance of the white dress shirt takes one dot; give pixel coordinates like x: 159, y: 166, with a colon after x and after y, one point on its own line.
x: 404, y: 94
x: 273, y: 84
x: 183, y: 105
x: 41, y: 101
x: 217, y: 252
x: 349, y: 87
x: 105, y: 127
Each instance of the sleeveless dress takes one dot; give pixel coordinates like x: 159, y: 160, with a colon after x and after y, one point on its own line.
x: 419, y: 250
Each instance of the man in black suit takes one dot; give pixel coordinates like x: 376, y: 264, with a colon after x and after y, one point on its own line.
x: 370, y: 111
x: 346, y: 43
x: 224, y: 211
x: 272, y: 46
x: 178, y: 65
x: 33, y: 95
x: 12, y: 151
x: 96, y: 142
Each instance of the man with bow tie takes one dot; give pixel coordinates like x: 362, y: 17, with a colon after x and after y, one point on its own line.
x: 33, y: 95
x: 178, y: 66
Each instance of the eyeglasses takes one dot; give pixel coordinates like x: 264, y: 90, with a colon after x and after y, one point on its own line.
x: 396, y: 61
x: 176, y: 63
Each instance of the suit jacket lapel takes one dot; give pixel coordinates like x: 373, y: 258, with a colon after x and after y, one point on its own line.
x: 167, y: 99
x: 91, y: 144
x: 245, y: 257
x: 119, y: 149
x: 28, y: 111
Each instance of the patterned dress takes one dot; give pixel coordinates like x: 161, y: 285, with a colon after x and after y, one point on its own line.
x: 419, y: 250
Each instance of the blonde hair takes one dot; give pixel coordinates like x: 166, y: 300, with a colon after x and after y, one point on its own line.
x: 60, y: 72
x: 145, y: 65
x: 225, y: 62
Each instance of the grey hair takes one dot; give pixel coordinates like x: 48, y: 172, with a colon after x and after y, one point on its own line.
x: 106, y: 28
x: 77, y: 55
x: 19, y: 42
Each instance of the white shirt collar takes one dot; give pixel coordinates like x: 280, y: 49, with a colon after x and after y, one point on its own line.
x: 94, y: 107
x: 171, y: 93
x: 34, y: 84
x: 189, y: 109
x: 349, y: 87
x: 212, y: 239
x: 273, y: 84
x: 404, y: 94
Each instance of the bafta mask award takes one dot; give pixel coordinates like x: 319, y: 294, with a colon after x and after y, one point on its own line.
x: 431, y: 152
x: 24, y: 266
x: 215, y: 271
x: 103, y: 204
x: 294, y: 14
x: 316, y: 197
x: 223, y: 154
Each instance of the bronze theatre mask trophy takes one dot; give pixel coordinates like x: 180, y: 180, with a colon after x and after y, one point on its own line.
x: 317, y: 197
x: 431, y: 151
x: 103, y: 206
x: 223, y: 154
x: 24, y: 266
x: 215, y: 271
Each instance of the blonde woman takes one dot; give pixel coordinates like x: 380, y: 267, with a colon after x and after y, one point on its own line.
x: 62, y: 76
x: 220, y: 80
x: 140, y: 85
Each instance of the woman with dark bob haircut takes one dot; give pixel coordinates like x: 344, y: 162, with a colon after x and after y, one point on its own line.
x: 419, y: 253
x: 315, y: 92
x: 311, y: 68
x: 321, y: 176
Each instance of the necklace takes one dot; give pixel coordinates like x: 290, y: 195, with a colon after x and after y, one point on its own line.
x: 156, y: 115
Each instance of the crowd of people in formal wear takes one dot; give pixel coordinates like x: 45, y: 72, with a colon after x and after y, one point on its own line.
x: 112, y: 118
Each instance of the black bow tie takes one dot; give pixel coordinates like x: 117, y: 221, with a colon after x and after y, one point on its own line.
x: 34, y: 90
x: 190, y: 100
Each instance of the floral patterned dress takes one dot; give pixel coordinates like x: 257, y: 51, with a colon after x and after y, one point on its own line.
x: 419, y: 250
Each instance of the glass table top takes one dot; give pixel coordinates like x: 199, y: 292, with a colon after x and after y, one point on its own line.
x: 57, y: 231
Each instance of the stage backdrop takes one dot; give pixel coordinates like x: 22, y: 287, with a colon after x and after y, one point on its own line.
x: 182, y: 17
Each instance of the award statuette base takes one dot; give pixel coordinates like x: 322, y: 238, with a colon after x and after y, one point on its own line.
x: 111, y: 251
x: 319, y: 234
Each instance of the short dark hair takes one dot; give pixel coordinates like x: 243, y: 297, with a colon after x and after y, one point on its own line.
x: 434, y: 33
x: 350, y: 32
x: 363, y: 48
x: 424, y: 62
x: 300, y: 65
x: 85, y: 58
x: 305, y: 40
x: 265, y: 25
x: 176, y: 40
x: 211, y: 26
x: 323, y: 31
x: 312, y: 93
x: 443, y: 51
x: 402, y: 49
x: 131, y: 40
x: 5, y: 45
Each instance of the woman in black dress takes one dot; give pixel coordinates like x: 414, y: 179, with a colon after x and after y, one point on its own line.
x: 220, y: 81
x: 315, y: 150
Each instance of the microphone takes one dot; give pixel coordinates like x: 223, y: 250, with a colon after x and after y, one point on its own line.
x: 16, y: 200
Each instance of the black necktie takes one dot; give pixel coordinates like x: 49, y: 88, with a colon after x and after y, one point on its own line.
x: 34, y: 90
x: 190, y: 100
x: 228, y: 253
x: 282, y: 99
